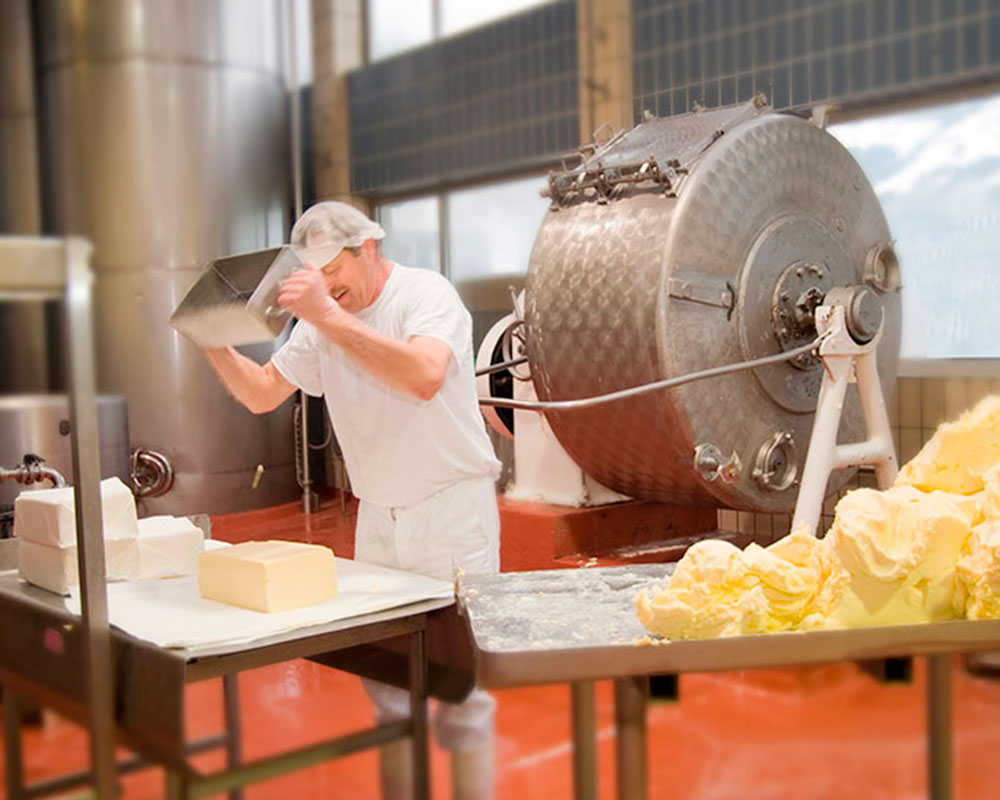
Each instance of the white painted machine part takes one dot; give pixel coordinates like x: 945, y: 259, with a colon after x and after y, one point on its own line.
x: 484, y: 359
x: 844, y: 361
x: 543, y: 471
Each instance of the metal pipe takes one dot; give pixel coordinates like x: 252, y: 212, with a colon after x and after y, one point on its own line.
x: 296, y: 155
x: 31, y: 471
x: 669, y: 383
x: 501, y: 366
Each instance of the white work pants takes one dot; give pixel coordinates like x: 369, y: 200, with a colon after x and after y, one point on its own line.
x: 458, y: 528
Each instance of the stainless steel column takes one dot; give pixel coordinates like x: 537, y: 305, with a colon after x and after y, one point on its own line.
x: 97, y: 675
x: 164, y: 141
x: 630, y: 737
x: 939, y: 771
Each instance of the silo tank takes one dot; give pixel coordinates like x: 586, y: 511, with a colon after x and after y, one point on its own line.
x: 164, y: 142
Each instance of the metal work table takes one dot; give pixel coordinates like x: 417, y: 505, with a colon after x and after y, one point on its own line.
x: 579, y: 626
x: 40, y: 657
x: 33, y: 268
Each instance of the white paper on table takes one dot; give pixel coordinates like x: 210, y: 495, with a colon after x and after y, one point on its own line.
x: 171, y: 612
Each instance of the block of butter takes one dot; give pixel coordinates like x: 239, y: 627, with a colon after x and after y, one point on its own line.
x: 55, y: 568
x: 268, y: 576
x: 166, y: 547
x: 47, y: 516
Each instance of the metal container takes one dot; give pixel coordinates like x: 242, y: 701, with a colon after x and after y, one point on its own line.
x: 164, y: 142
x: 235, y: 299
x: 684, y: 245
x: 39, y: 424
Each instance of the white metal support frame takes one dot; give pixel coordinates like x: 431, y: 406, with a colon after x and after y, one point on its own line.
x: 844, y: 362
x: 48, y: 268
x: 543, y: 471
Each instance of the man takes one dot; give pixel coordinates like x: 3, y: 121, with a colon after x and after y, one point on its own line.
x: 390, y: 347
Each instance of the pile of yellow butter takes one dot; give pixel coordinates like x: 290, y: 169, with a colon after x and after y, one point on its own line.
x: 925, y: 550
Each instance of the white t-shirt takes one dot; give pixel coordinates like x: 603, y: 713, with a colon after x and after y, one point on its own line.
x: 399, y: 449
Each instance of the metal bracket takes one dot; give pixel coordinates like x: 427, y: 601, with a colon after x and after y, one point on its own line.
x: 696, y: 289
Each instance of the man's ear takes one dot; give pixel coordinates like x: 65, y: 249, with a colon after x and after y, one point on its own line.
x: 369, y: 249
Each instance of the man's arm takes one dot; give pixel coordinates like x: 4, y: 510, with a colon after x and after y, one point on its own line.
x: 416, y: 367
x: 259, y: 388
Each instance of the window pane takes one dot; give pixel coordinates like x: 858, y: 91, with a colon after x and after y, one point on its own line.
x: 411, y: 232
x: 937, y: 174
x: 397, y: 25
x: 303, y: 42
x: 491, y: 230
x: 458, y: 15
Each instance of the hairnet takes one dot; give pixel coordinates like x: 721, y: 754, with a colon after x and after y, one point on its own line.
x: 327, y: 228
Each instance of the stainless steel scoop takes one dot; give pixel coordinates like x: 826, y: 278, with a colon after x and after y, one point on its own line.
x: 235, y: 299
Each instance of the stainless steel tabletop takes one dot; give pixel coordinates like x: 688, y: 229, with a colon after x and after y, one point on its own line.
x: 580, y: 624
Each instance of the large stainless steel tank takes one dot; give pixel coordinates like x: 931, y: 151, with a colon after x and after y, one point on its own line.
x: 164, y: 142
x: 690, y: 243
x: 23, y: 353
x: 39, y: 424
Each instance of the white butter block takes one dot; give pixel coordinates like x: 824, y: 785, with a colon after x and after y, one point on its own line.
x: 47, y: 516
x: 55, y: 568
x: 167, y: 547
x: 268, y: 576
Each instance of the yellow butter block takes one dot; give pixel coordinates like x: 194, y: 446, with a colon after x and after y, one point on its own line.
x: 268, y: 576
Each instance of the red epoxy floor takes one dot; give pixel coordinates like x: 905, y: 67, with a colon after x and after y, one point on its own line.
x: 822, y: 733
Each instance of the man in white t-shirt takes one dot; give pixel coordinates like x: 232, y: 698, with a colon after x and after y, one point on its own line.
x: 390, y: 348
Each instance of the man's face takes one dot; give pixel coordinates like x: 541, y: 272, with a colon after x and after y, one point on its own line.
x: 350, y: 280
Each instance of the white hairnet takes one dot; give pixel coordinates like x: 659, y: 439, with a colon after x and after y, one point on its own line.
x: 327, y: 228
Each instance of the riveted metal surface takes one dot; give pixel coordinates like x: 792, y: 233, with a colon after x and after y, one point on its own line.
x: 600, y: 314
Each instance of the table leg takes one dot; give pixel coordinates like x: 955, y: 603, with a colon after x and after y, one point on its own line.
x: 939, y: 777
x: 630, y: 736
x: 584, y: 741
x: 12, y: 744
x: 418, y: 716
x: 234, y: 734
x: 174, y: 786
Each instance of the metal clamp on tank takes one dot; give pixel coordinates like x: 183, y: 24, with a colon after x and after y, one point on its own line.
x: 850, y: 323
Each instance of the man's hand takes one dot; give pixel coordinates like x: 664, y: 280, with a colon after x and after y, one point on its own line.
x: 305, y: 294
